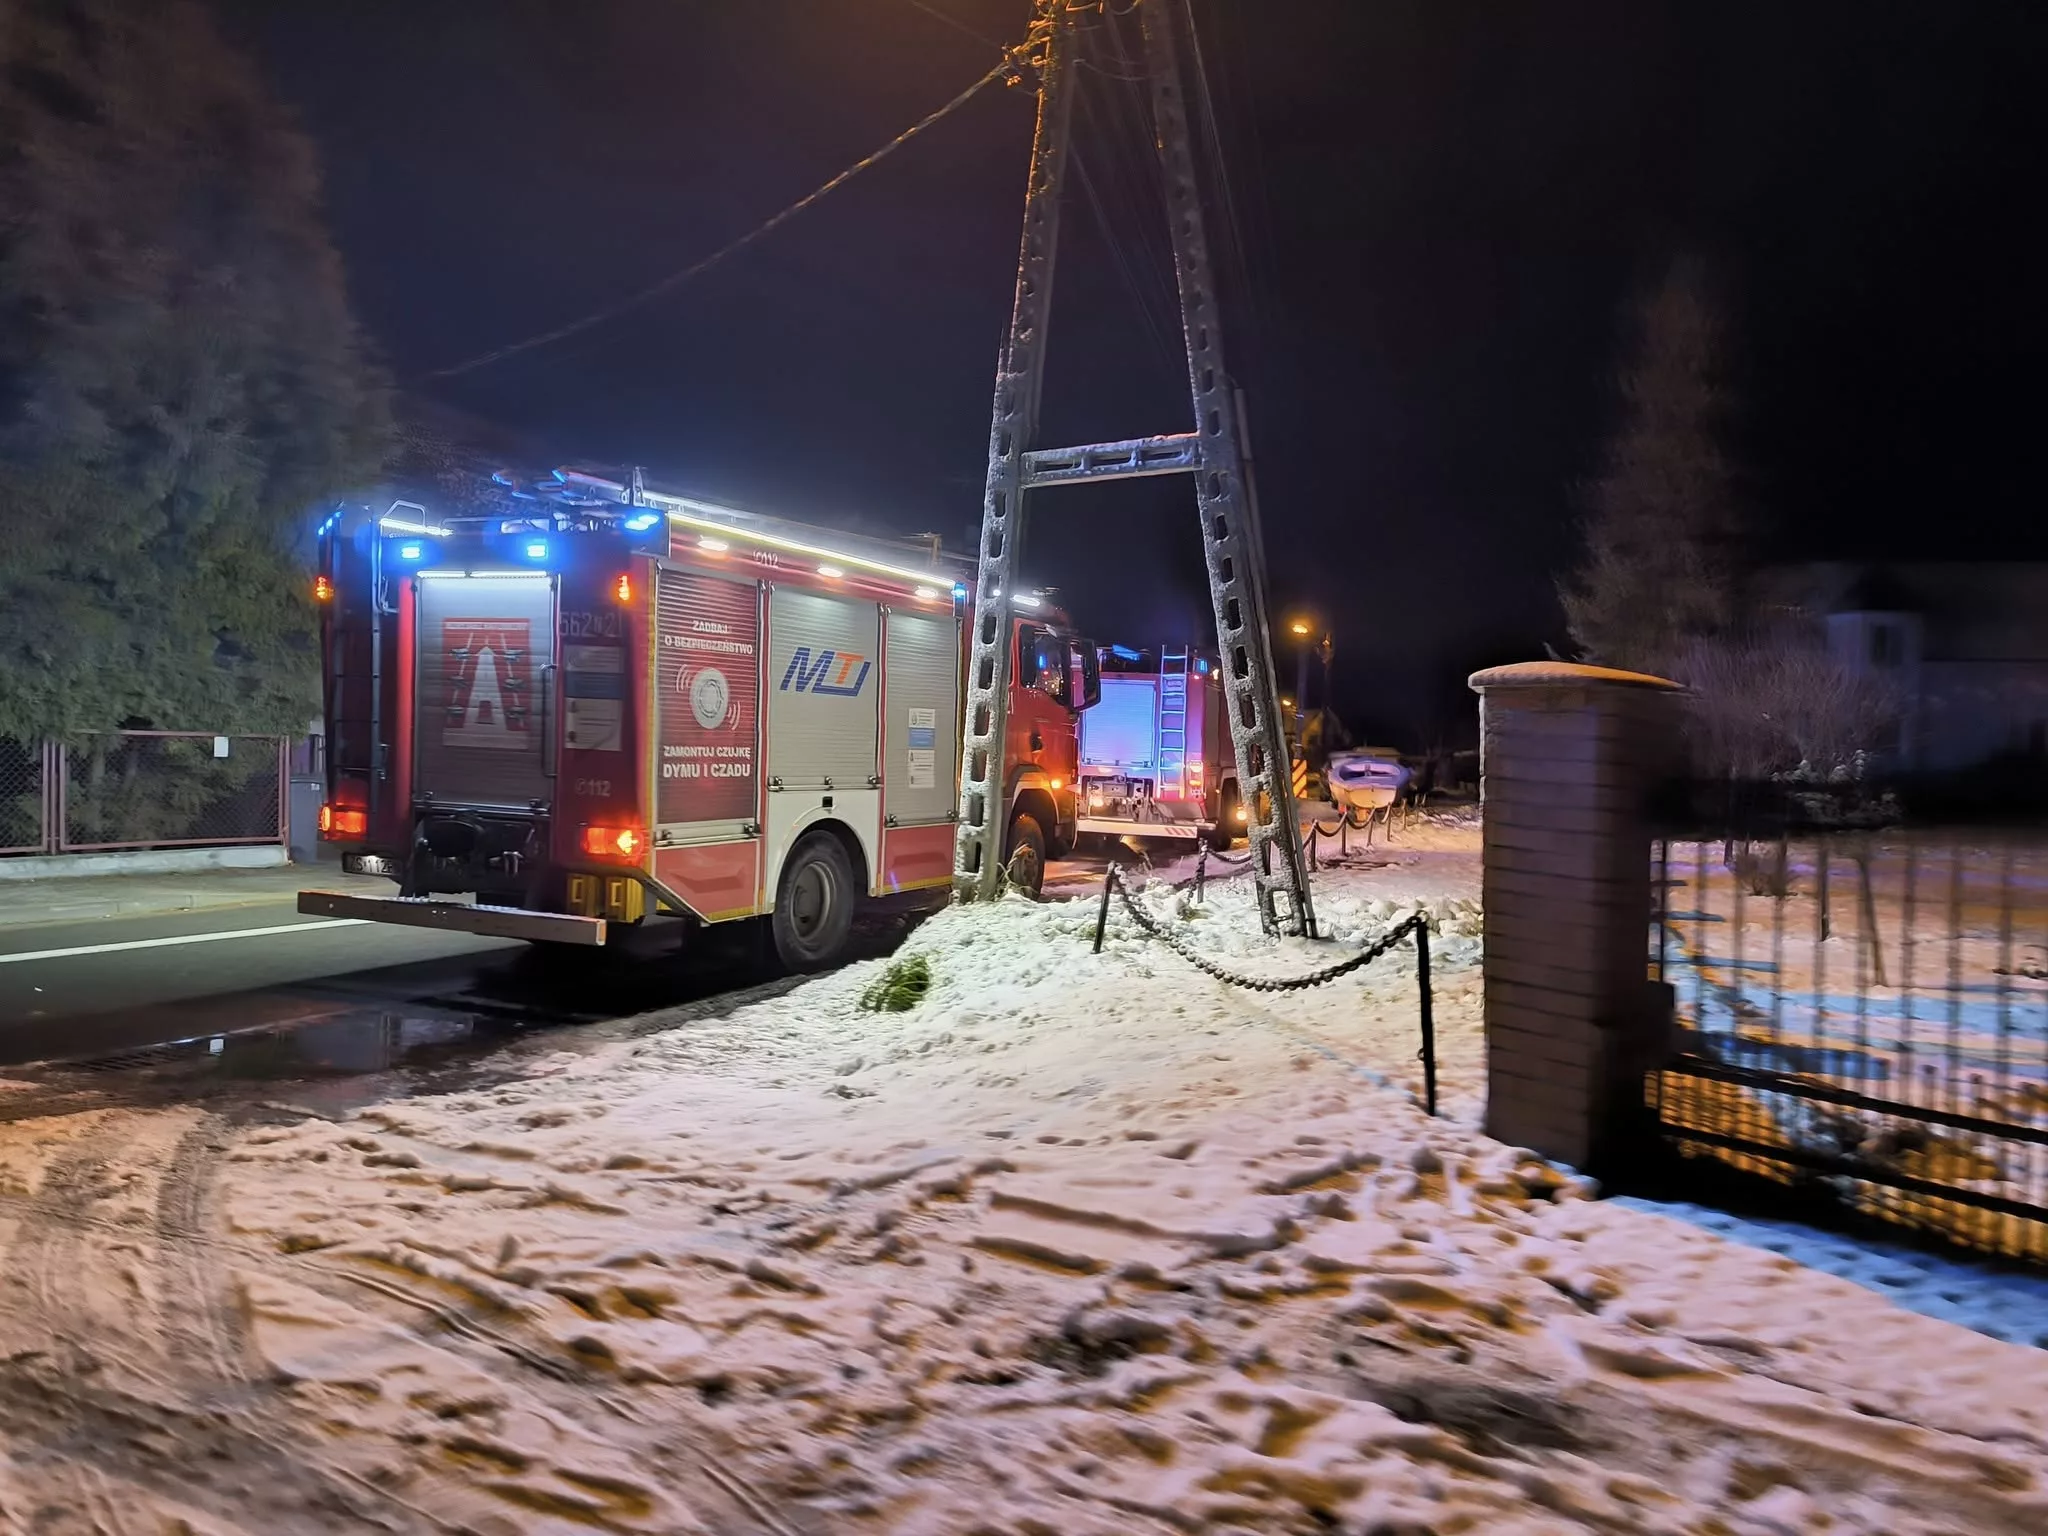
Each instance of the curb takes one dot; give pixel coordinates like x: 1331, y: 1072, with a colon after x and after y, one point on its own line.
x: 163, y: 861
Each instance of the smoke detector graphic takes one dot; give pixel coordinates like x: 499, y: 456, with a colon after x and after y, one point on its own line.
x: 711, y: 700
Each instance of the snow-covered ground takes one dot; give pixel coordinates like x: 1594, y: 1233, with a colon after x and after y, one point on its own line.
x: 1080, y: 1244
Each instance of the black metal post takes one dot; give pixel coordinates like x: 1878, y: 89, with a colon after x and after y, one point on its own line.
x: 1428, y: 1016
x: 1201, y: 878
x: 1102, y: 917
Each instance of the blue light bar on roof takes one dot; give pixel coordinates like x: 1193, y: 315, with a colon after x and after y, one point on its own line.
x: 1123, y: 652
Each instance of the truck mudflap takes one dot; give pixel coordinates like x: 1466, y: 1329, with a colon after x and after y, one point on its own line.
x: 1118, y: 826
x: 456, y: 917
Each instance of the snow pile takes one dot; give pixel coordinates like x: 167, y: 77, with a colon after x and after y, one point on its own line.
x: 1080, y: 1244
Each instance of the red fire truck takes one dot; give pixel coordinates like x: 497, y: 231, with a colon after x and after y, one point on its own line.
x: 1156, y: 754
x: 600, y: 704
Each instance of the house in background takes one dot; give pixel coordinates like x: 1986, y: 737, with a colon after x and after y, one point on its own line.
x: 1965, y: 644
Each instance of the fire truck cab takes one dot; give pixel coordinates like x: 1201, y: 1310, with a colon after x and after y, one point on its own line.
x: 601, y: 704
x: 1156, y: 753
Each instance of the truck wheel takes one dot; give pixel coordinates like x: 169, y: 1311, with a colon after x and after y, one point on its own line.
x: 814, y: 904
x: 1026, y: 856
x: 1226, y: 833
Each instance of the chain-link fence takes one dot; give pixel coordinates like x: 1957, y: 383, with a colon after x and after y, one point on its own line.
x: 161, y: 789
x: 24, y: 797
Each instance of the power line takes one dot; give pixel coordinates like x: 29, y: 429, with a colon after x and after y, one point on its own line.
x: 1003, y: 70
x: 1132, y: 287
x: 953, y: 21
x: 1148, y: 322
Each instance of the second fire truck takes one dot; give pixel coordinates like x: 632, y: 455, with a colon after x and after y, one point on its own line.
x: 1156, y: 755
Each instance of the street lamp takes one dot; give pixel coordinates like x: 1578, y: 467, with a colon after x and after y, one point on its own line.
x: 1302, y: 630
x: 1310, y: 635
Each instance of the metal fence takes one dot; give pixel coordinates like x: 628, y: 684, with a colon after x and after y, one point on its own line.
x: 25, y: 784
x: 1862, y: 1008
x: 143, y: 789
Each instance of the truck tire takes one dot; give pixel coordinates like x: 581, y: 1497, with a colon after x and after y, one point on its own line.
x: 814, y: 904
x: 1024, y: 854
x: 1227, y: 832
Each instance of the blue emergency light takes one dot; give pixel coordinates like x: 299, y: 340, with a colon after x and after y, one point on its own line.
x: 410, y: 551
x: 643, y: 522
x: 537, y: 550
x: 1201, y: 666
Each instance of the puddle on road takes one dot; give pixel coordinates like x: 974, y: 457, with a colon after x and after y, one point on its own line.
x: 352, y: 1044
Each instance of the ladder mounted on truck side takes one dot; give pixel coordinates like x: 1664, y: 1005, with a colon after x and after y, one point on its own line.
x: 1214, y: 452
x: 1173, y: 723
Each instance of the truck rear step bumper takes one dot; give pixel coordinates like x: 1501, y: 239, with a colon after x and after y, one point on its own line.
x: 456, y: 917
x: 1110, y: 826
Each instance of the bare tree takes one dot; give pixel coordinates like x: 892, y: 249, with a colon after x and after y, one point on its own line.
x: 1771, y: 702
x: 1661, y: 526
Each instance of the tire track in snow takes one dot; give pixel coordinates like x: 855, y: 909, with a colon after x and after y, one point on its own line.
x: 201, y: 1327
x: 204, y: 1351
x: 91, y: 1438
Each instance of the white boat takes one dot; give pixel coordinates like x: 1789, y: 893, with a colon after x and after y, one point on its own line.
x: 1366, y: 780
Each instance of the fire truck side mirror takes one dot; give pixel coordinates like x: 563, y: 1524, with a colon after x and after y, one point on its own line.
x: 1084, y: 674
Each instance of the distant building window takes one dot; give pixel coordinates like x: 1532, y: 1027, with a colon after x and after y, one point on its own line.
x: 1885, y: 650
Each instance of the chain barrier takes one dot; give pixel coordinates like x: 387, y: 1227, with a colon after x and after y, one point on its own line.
x: 1349, y: 821
x: 1416, y: 924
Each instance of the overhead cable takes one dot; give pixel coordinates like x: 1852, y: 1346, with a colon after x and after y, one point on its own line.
x: 1006, y: 69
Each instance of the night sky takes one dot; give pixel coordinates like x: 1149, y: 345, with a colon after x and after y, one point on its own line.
x: 1439, y: 209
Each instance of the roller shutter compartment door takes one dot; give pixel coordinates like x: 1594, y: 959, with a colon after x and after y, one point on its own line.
x: 921, y: 733
x: 823, y: 688
x: 486, y: 653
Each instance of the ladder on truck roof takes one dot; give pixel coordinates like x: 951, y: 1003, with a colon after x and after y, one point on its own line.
x: 1173, y: 724
x: 1214, y: 452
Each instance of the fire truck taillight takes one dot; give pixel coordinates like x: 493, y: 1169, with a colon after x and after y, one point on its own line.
x: 622, y: 589
x: 340, y: 822
x: 612, y: 842
x: 323, y: 590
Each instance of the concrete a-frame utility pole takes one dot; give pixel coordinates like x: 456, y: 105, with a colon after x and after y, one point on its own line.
x: 1213, y: 452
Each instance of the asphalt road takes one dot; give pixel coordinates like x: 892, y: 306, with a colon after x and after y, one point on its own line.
x: 346, y: 995
x: 73, y: 990
x: 340, y: 995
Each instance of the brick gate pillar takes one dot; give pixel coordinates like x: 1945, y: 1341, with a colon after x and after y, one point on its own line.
x: 1569, y: 756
